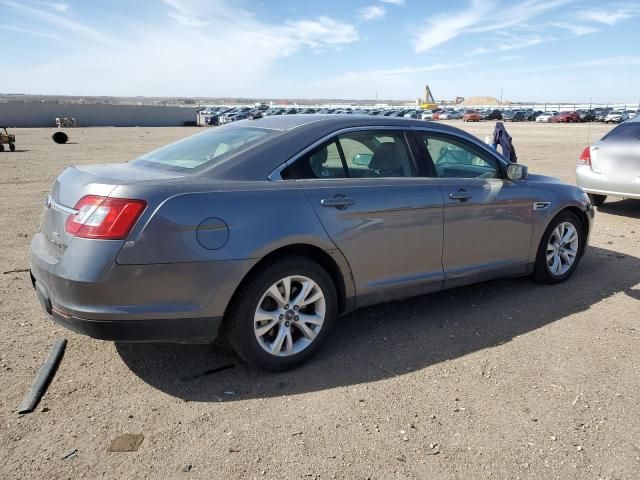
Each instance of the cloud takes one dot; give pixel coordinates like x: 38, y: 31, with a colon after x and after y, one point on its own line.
x: 442, y: 28
x: 371, y: 12
x: 576, y: 29
x: 235, y: 54
x: 608, y: 17
x: 30, y: 31
x: 480, y: 16
x: 182, y: 14
x: 59, y: 7
x: 393, y: 2
x: 619, y: 61
x: 59, y: 22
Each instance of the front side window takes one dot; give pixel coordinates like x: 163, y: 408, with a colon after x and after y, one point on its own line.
x: 454, y: 158
x: 361, y: 154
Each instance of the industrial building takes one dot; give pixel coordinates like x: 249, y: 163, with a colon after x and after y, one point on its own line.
x: 15, y: 114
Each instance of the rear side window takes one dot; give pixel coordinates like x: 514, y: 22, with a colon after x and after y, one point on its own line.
x: 323, y: 162
x: 624, y: 131
x: 361, y: 154
x: 207, y: 148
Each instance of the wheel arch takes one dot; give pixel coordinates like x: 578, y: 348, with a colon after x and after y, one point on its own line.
x: 584, y: 223
x: 333, y: 262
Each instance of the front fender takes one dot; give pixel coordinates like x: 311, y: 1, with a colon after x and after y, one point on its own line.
x: 560, y: 196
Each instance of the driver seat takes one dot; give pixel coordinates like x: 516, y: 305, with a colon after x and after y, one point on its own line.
x: 385, y: 161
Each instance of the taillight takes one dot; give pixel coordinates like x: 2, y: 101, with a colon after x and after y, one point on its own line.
x: 585, y: 157
x: 104, y: 217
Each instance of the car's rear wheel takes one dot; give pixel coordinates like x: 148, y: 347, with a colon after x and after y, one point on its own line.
x: 282, y: 314
x: 596, y: 200
x: 560, y: 249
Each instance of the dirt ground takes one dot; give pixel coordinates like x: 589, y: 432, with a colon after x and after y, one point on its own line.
x: 508, y: 379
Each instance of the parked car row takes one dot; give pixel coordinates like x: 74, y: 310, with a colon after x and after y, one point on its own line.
x: 222, y: 115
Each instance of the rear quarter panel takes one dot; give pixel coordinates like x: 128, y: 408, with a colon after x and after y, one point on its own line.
x: 260, y: 216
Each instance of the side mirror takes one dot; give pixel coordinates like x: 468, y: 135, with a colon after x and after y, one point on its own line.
x: 516, y: 171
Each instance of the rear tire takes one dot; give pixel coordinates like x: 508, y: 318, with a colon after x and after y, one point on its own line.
x: 560, y: 249
x: 300, y: 328
x: 12, y: 147
x: 596, y: 200
x: 1, y: 148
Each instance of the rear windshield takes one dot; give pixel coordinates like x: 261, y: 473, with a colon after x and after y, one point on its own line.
x: 207, y: 148
x: 624, y: 131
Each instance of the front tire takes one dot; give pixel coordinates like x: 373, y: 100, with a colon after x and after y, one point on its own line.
x: 596, y: 200
x: 282, y: 314
x: 560, y: 249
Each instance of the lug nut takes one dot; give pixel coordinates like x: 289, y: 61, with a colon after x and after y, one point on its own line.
x: 286, y: 324
x: 281, y: 316
x: 296, y: 307
x: 286, y: 307
x: 296, y: 318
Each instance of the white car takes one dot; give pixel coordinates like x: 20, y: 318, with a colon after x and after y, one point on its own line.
x: 545, y: 117
x: 450, y: 115
x: 428, y: 114
x: 611, y: 167
x: 617, y: 116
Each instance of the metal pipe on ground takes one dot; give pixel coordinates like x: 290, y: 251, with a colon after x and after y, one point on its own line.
x: 45, y: 375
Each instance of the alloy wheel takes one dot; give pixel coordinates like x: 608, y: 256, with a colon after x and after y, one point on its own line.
x: 289, y: 316
x: 562, y: 248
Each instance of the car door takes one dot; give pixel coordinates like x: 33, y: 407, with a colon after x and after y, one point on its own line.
x: 379, y: 208
x: 487, y: 218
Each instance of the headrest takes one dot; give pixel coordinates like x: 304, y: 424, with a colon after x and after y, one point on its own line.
x: 384, y: 157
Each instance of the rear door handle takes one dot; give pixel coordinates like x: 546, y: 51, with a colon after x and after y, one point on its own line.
x: 461, y: 195
x: 339, y: 201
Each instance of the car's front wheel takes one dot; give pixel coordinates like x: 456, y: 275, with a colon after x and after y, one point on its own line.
x: 560, y: 249
x: 282, y: 314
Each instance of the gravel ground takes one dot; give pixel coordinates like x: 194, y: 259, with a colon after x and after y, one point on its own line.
x: 507, y: 379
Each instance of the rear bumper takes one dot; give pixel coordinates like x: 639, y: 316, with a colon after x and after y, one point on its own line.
x: 95, y: 296
x: 170, y: 330
x: 600, y: 184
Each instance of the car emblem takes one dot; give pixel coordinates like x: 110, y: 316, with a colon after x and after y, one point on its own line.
x: 56, y: 239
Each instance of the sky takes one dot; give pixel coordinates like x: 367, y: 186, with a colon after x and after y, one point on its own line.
x: 530, y: 50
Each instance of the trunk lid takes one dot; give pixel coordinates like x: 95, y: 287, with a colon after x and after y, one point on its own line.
x: 77, y: 182
x: 617, y: 160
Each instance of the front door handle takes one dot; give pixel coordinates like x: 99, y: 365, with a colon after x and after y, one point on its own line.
x: 339, y: 201
x: 461, y: 195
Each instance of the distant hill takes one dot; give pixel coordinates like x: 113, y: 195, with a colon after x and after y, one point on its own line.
x: 483, y: 101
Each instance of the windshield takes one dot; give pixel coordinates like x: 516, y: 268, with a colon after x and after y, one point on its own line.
x: 624, y: 131
x: 206, y: 148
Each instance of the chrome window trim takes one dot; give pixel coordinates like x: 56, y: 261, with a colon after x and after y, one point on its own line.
x: 276, y: 174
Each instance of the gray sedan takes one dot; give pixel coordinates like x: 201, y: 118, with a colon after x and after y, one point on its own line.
x: 266, y: 230
x: 611, y: 167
